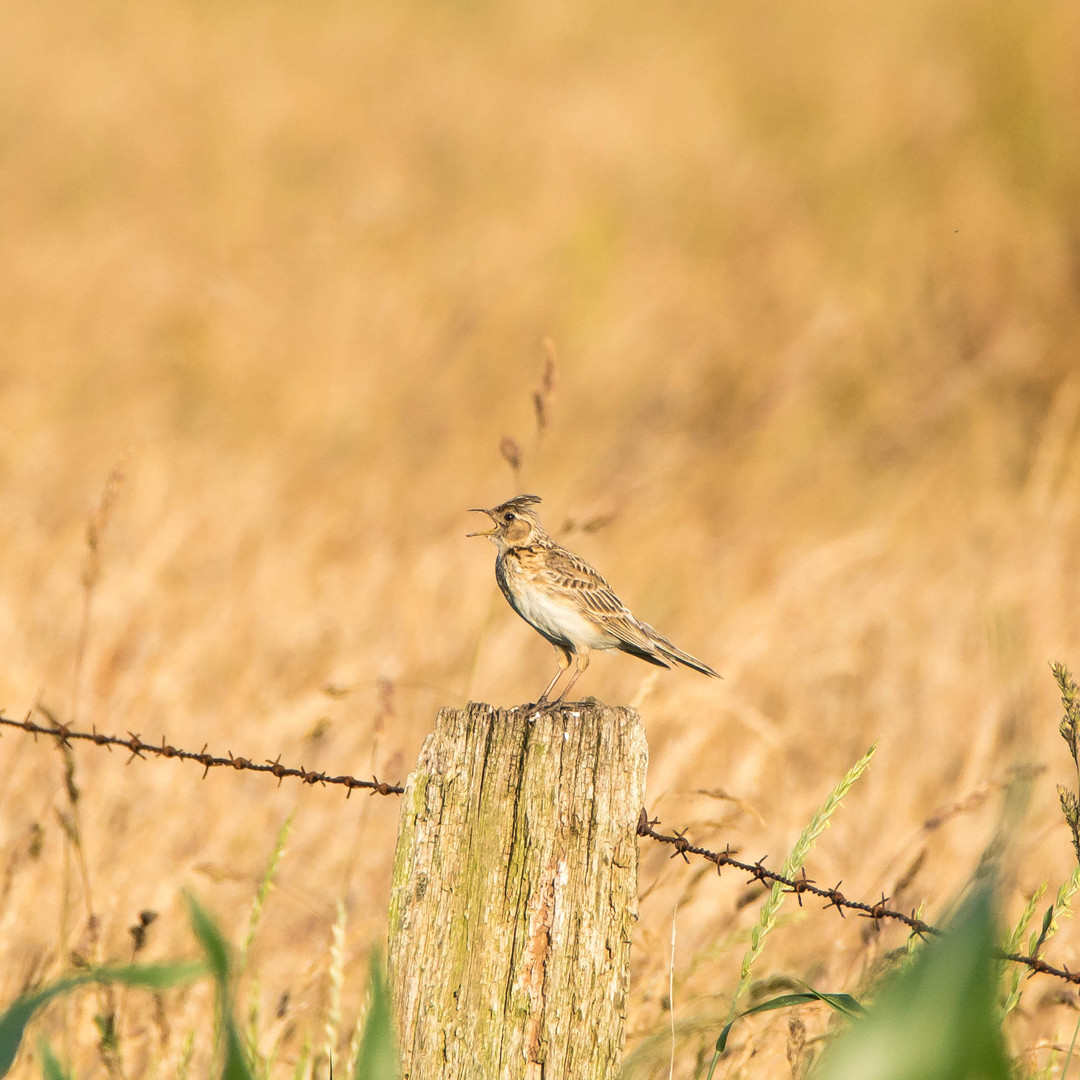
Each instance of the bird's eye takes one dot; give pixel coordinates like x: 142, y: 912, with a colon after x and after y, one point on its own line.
x: 508, y: 517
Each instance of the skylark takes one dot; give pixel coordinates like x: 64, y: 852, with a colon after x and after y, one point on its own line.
x: 563, y: 598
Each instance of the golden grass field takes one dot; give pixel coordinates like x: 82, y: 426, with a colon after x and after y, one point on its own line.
x: 812, y: 278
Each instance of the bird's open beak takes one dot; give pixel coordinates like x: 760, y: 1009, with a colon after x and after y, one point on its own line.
x: 488, y: 532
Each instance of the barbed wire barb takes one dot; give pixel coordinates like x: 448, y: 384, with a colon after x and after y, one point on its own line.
x: 878, y: 911
x: 137, y: 747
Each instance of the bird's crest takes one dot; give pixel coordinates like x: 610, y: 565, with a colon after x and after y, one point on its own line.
x: 521, y: 503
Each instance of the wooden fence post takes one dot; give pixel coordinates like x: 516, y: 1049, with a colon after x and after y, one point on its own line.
x: 515, y: 894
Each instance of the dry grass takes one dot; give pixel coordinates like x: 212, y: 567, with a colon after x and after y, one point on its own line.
x: 813, y: 278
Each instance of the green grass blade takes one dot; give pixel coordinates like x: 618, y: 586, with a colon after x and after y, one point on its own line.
x: 149, y: 976
x: 51, y: 1068
x: 15, y: 1018
x: 378, y: 1057
x: 235, y: 1065
x: 266, y: 885
x: 843, y: 1003
x: 1060, y: 908
x: 210, y: 939
x: 187, y: 1052
x: 1072, y: 1047
x: 1016, y: 936
x: 792, y: 864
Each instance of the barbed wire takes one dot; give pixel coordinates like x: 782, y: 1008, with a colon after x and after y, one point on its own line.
x: 833, y: 897
x: 799, y: 886
x: 139, y: 748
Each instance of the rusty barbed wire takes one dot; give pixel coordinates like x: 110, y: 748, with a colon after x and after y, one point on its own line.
x: 833, y: 897
x: 139, y: 748
x: 799, y: 885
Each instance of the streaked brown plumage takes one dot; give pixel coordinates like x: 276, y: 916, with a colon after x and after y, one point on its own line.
x: 563, y: 598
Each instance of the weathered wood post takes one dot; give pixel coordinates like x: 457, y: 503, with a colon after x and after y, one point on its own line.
x: 515, y: 894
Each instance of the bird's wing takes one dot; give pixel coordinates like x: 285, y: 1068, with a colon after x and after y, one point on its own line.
x: 578, y: 580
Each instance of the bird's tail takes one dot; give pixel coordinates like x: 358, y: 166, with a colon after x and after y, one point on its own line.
x: 670, y: 652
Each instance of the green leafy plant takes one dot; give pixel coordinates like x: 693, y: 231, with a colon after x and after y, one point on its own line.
x: 51, y: 1067
x: 1070, y: 732
x: 377, y: 1058
x: 844, y: 1004
x: 770, y: 910
x: 17, y: 1016
x: 235, y: 1064
x: 936, y: 1018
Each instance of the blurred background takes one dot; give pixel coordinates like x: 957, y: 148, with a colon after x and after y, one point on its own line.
x: 804, y: 285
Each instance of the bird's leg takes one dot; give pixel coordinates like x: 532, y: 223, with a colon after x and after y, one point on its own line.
x: 579, y: 670
x: 564, y: 663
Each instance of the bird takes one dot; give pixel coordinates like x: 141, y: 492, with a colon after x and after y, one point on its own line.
x: 565, y: 600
